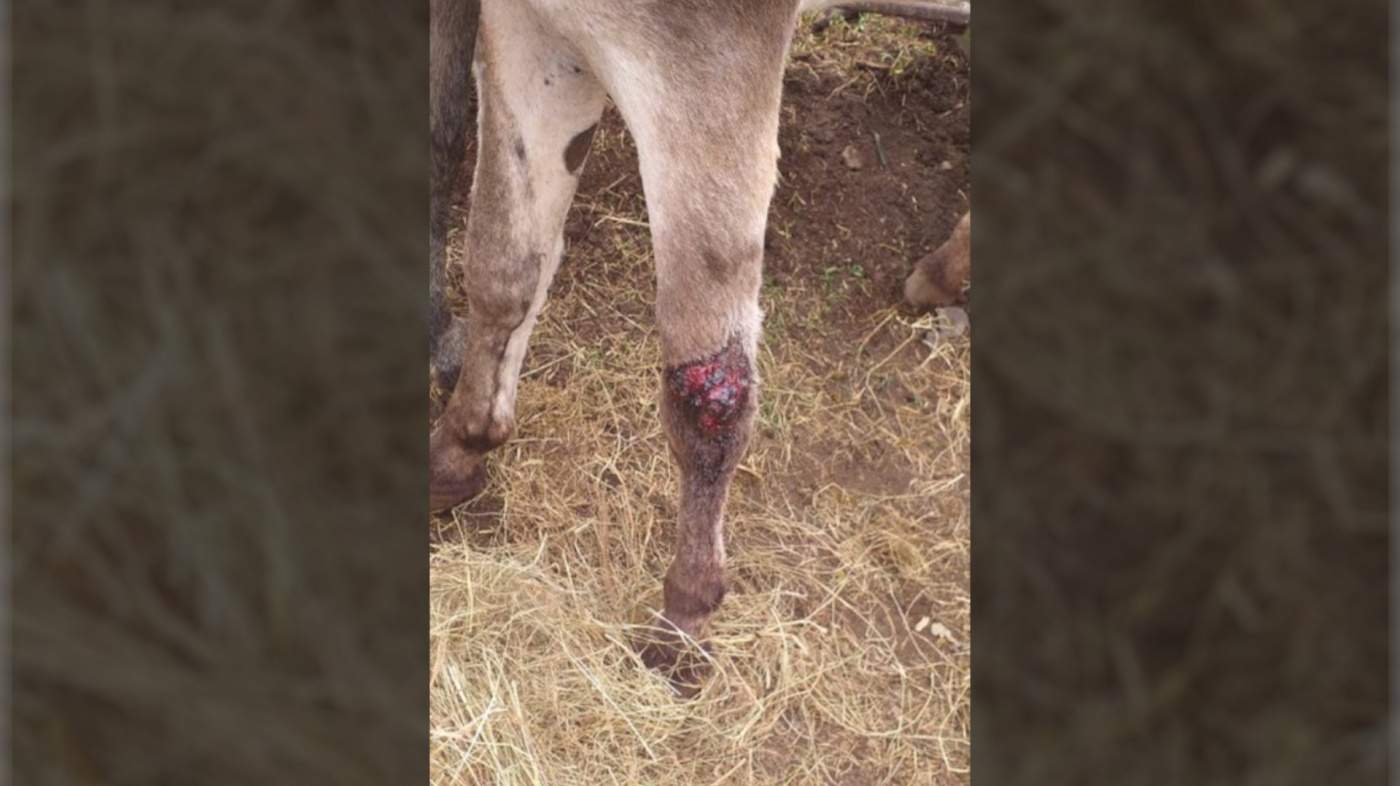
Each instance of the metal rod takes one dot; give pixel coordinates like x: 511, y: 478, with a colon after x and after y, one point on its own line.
x: 956, y: 13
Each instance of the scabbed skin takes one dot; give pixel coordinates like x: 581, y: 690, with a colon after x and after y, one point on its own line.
x: 716, y: 389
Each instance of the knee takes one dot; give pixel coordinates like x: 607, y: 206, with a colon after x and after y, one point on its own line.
x: 502, y: 295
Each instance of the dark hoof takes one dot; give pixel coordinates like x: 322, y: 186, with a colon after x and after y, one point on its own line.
x: 683, y: 662
x: 455, y: 474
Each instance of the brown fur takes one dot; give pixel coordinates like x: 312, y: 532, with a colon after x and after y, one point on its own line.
x: 940, y: 276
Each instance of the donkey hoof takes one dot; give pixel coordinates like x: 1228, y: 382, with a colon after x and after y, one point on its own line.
x: 455, y: 474
x: 444, y: 495
x: 685, y: 664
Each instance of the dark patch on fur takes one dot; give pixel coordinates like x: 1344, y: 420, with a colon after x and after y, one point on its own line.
x: 520, y: 148
x: 577, y: 151
x: 720, y: 267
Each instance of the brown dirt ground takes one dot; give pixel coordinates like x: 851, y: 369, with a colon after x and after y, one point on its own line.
x: 863, y: 432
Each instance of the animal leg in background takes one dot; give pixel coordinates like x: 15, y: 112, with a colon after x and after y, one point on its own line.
x: 938, y: 277
x: 450, y: 48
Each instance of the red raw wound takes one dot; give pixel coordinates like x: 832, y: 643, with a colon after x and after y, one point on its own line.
x: 716, y: 389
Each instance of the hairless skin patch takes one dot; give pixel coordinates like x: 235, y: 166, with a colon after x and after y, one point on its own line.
x: 716, y: 389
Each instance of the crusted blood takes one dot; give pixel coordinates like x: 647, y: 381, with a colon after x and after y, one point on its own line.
x: 716, y: 388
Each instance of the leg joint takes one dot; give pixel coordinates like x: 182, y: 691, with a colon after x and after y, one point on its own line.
x: 692, y: 597
x: 502, y: 296
x: 482, y: 433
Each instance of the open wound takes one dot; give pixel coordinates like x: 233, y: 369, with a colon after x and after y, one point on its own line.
x: 716, y: 389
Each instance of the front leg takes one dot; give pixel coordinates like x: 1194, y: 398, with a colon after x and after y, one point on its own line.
x: 704, y: 113
x: 707, y: 407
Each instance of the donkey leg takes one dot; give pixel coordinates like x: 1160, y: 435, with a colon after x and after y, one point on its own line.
x: 450, y: 45
x: 706, y: 124
x: 539, y: 105
x: 707, y: 407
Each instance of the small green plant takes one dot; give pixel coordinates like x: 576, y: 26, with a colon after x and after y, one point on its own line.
x: 829, y: 279
x: 775, y: 328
